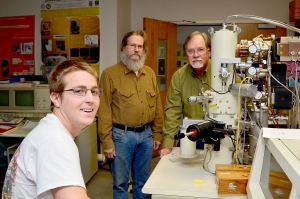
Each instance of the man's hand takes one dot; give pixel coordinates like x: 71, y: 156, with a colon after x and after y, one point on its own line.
x: 156, y: 145
x: 110, y: 153
x: 164, y: 151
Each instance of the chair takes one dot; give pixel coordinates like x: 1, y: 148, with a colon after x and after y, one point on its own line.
x: 3, y: 149
x: 10, y: 151
x: 7, y: 152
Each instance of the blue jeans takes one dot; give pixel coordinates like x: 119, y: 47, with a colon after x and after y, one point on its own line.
x: 133, y: 151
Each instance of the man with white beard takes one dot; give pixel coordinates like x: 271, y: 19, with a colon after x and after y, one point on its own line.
x: 131, y: 116
x: 186, y: 82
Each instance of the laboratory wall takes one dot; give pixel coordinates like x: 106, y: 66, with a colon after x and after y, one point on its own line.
x: 120, y: 16
x: 206, y: 11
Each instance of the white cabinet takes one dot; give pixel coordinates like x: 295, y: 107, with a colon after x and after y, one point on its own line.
x: 87, y: 147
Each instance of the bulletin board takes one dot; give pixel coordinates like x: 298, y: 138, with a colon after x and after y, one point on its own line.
x: 71, y: 30
x: 17, y: 45
x: 76, y: 38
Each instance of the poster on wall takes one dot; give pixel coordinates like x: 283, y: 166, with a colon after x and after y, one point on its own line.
x: 71, y: 37
x: 59, y: 4
x: 71, y: 29
x: 17, y: 46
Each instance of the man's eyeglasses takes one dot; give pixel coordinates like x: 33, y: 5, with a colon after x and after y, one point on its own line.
x: 200, y: 51
x: 83, y: 91
x: 133, y: 46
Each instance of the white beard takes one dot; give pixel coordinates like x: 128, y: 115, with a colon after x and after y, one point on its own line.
x: 197, y: 65
x: 132, y: 64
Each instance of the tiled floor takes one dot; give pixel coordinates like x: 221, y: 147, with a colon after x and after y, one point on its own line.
x: 99, y: 186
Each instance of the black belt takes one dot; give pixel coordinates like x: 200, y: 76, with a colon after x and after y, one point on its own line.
x: 130, y: 128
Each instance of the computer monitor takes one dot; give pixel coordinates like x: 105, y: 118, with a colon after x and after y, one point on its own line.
x: 275, y: 170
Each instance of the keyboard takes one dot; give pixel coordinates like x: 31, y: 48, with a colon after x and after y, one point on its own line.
x: 14, y: 120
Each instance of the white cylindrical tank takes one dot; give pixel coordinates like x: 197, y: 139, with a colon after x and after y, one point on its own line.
x: 223, y: 44
x: 187, y: 147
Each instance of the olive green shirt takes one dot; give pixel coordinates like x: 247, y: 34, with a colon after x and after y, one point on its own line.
x: 184, y: 83
x: 129, y: 99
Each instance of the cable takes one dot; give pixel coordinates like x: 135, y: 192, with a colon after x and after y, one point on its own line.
x: 214, y: 89
x: 271, y: 21
x: 238, y: 117
x: 255, y: 137
x: 296, y: 97
x: 244, y: 132
x: 207, y: 169
x: 284, y: 86
x: 297, y: 92
x: 277, y: 23
x: 213, y: 120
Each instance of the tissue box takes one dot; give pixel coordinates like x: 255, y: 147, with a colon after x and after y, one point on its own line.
x: 232, y: 179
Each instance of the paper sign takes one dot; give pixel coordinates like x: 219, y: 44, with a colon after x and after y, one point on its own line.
x: 5, y: 127
x: 290, y: 134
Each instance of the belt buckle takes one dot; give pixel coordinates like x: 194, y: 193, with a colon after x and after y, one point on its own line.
x: 138, y: 129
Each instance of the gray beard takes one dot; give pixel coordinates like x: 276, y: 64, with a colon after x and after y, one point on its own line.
x: 197, y: 65
x: 132, y: 64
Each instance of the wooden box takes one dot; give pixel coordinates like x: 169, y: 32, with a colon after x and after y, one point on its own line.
x: 231, y: 178
x: 294, y: 10
x: 232, y: 182
x: 232, y: 167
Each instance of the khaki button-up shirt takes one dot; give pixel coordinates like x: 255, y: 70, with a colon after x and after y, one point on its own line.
x: 129, y: 99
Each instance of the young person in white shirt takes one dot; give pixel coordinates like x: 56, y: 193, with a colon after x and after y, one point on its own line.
x: 46, y: 164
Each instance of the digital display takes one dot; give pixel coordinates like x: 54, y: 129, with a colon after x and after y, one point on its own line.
x: 24, y: 98
x: 4, y: 98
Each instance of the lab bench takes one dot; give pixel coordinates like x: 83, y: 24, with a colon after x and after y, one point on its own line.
x: 174, y: 178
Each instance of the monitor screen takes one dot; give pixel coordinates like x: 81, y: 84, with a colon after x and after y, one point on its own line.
x: 24, y: 98
x: 4, y: 98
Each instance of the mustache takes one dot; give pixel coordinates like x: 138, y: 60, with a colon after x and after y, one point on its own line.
x: 135, y: 54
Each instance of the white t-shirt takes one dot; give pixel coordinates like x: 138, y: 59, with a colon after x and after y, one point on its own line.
x: 47, y: 158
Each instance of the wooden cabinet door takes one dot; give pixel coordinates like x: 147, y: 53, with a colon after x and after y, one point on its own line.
x: 162, y: 54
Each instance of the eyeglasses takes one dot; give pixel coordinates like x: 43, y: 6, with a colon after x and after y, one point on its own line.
x: 133, y: 46
x: 200, y: 51
x: 83, y: 91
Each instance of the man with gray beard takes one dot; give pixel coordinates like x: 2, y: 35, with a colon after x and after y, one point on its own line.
x: 130, y: 116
